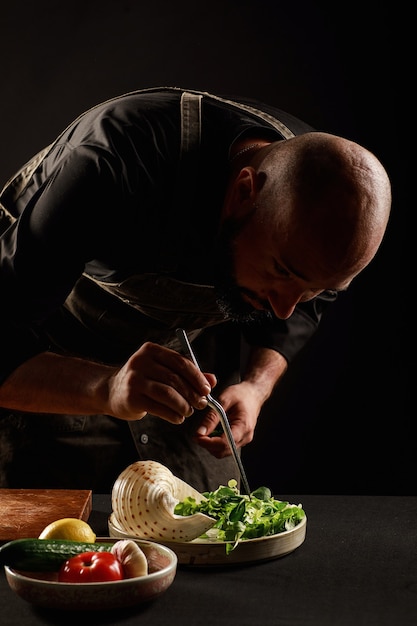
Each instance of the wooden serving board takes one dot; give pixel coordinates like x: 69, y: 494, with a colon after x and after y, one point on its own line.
x: 24, y: 513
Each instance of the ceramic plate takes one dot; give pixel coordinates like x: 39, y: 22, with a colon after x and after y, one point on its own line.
x: 208, y: 553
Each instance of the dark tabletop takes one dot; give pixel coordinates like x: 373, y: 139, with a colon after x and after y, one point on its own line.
x: 356, y: 567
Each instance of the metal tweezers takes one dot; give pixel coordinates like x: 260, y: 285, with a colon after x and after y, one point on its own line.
x: 214, y: 404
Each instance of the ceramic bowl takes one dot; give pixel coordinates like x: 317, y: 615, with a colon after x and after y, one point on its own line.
x: 44, y: 590
x: 203, y: 553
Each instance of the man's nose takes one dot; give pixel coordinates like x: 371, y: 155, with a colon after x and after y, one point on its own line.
x: 283, y: 304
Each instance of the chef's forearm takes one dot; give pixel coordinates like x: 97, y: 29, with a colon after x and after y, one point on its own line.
x: 51, y: 383
x: 264, y: 369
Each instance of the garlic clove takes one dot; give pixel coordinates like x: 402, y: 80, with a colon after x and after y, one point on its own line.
x: 132, y: 558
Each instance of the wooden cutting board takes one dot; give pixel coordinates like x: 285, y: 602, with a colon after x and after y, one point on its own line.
x: 24, y: 513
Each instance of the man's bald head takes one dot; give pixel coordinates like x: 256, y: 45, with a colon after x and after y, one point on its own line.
x: 327, y: 194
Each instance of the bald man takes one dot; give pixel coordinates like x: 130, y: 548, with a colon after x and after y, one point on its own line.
x: 159, y: 209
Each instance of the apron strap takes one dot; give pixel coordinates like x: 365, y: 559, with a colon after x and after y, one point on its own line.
x: 190, y: 124
x: 190, y: 110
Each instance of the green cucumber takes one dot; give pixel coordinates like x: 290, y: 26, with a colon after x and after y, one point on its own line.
x: 45, y: 555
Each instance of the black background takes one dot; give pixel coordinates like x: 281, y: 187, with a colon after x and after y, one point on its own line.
x: 339, y: 422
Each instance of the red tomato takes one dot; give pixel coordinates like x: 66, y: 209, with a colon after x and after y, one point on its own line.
x: 91, y: 567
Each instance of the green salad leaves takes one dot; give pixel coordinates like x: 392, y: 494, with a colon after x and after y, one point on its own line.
x: 242, y: 517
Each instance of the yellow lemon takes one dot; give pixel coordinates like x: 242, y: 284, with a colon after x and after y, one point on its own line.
x: 70, y: 528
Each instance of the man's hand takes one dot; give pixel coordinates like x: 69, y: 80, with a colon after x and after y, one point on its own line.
x: 243, y: 403
x: 159, y: 381
x: 242, y: 406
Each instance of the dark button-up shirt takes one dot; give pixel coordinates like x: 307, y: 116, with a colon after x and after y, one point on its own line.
x: 105, y: 206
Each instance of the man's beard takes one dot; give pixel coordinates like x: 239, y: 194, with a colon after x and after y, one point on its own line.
x: 234, y: 308
x: 228, y: 293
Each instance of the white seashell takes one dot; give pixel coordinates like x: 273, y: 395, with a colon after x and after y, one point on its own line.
x: 143, y: 500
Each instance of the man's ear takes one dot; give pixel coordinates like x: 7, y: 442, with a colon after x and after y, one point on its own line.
x: 244, y: 191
